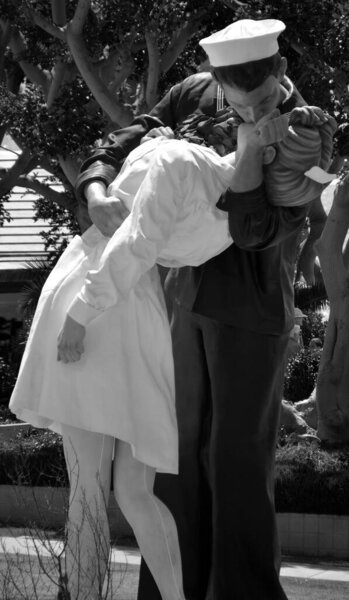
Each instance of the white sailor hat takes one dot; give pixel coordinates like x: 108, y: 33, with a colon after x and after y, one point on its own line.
x: 243, y: 41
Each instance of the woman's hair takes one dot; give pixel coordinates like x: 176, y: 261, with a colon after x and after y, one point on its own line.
x: 248, y: 76
x: 219, y: 130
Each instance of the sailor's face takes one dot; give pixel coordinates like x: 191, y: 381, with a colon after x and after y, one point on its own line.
x: 252, y: 106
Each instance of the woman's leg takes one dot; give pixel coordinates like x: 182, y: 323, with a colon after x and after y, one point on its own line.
x: 151, y: 521
x: 88, y: 456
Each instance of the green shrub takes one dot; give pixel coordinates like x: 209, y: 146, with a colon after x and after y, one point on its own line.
x: 300, y: 375
x: 33, y: 459
x: 310, y: 297
x: 8, y: 375
x: 311, y: 479
x: 6, y: 416
x: 313, y: 327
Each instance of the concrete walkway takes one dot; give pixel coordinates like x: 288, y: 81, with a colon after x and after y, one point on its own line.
x: 325, y: 571
x: 29, y: 567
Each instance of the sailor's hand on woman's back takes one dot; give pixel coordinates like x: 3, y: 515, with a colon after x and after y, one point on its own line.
x: 106, y: 212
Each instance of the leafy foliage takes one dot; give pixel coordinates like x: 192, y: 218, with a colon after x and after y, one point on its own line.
x: 34, y: 459
x: 59, y: 218
x: 8, y: 375
x: 67, y: 129
x: 4, y: 214
x: 61, y: 120
x: 70, y: 125
x: 38, y: 272
x: 312, y: 479
x: 309, y: 478
x: 314, y: 326
x: 300, y: 376
x: 310, y: 297
x: 6, y: 416
x: 302, y: 369
x: 11, y: 350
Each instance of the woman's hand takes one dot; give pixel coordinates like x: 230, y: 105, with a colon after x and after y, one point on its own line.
x: 70, y: 345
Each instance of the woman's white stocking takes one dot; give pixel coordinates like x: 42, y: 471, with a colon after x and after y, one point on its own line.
x: 151, y: 521
x: 88, y: 456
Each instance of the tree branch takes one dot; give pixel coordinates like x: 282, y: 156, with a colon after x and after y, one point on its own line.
x: 34, y: 73
x: 45, y: 25
x: 117, y: 113
x: 24, y: 164
x: 116, y: 68
x: 320, y: 66
x: 61, y: 198
x: 79, y: 19
x: 58, y: 11
x: 56, y: 83
x: 5, y: 38
x: 179, y: 40
x: 151, y: 91
x: 230, y: 3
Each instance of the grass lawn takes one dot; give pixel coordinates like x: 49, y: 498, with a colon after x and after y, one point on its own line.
x: 314, y: 589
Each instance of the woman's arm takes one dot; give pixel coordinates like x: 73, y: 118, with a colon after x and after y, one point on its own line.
x: 132, y: 250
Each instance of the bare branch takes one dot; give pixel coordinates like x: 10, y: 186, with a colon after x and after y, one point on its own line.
x: 24, y: 164
x: 117, y: 113
x: 61, y: 198
x: 59, y: 16
x: 80, y: 16
x: 180, y: 38
x: 18, y: 48
x: 176, y: 46
x: 5, y: 38
x: 56, y: 83
x: 123, y: 73
x: 151, y: 92
x: 318, y: 65
x: 231, y: 3
x: 116, y: 68
x: 45, y: 25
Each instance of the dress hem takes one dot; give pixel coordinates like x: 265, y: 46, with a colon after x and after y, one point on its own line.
x: 46, y: 422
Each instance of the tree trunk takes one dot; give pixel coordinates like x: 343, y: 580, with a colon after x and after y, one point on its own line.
x: 332, y: 390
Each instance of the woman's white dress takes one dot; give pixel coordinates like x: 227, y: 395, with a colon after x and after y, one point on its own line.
x: 123, y: 386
